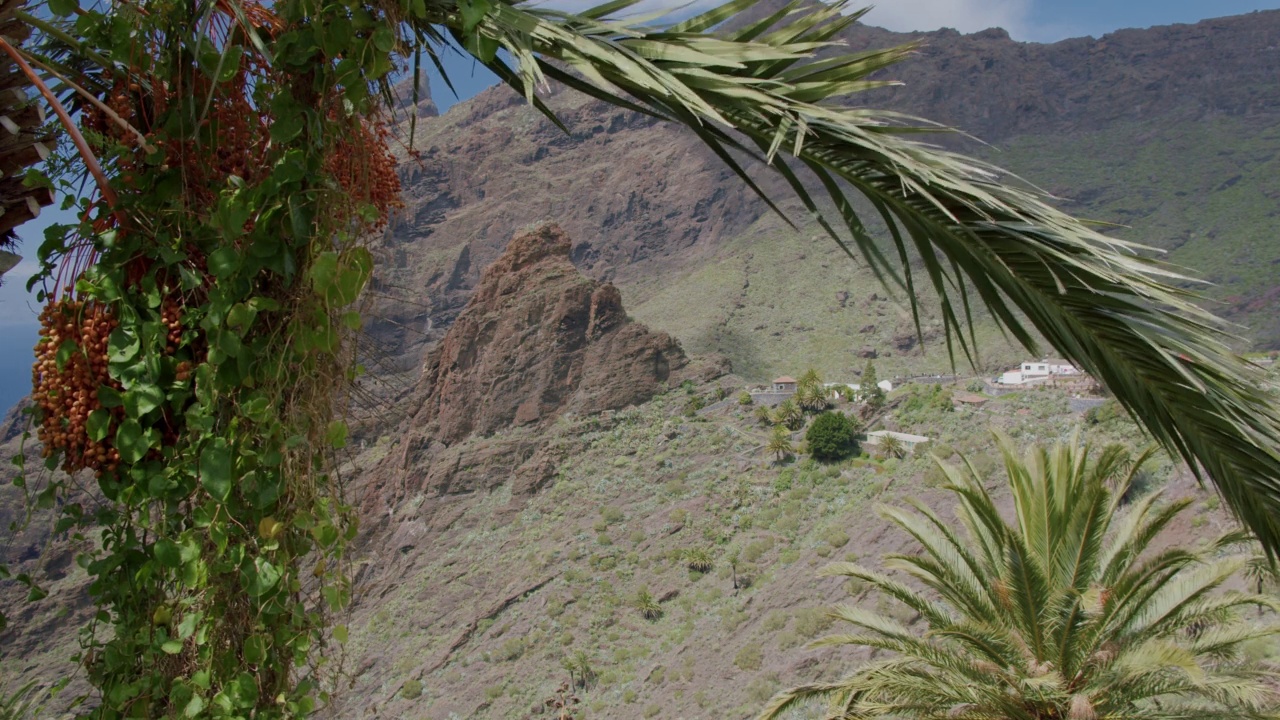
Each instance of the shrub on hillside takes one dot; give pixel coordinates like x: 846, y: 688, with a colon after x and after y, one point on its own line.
x: 412, y: 689
x: 831, y: 436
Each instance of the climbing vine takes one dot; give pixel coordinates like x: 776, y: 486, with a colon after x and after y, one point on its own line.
x: 195, y: 332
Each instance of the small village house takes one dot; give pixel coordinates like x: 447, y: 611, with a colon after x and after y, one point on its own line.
x: 784, y: 384
x: 1035, y: 371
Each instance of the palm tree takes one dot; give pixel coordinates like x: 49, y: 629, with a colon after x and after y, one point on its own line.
x: 647, y: 604
x: 788, y: 413
x: 780, y: 443
x: 891, y: 447
x: 699, y: 560
x: 1072, y: 610
x: 810, y: 378
x: 812, y: 398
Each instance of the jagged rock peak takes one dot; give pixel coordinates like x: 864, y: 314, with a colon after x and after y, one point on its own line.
x: 537, y: 339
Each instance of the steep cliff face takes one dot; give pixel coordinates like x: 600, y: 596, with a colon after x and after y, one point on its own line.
x: 639, y: 198
x: 538, y: 341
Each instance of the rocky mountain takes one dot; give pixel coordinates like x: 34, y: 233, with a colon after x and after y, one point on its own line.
x: 537, y: 340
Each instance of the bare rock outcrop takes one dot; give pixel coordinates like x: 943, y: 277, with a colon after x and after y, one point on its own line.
x: 538, y: 339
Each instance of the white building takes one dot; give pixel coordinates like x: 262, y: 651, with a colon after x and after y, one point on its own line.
x: 1038, y: 370
x: 909, y: 441
x: 832, y: 388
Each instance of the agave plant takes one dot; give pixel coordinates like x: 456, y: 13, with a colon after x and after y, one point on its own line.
x: 1071, y: 610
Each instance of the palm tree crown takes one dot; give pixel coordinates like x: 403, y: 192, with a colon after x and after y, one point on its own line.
x: 1070, y: 611
x: 780, y: 442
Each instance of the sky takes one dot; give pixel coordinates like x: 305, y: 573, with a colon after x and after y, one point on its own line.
x: 1027, y: 20
x: 1047, y: 20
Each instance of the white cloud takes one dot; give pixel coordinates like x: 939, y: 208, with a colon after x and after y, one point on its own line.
x: 964, y: 15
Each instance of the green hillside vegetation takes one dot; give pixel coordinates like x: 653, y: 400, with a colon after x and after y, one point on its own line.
x: 1203, y: 190
x: 1198, y: 189
x: 769, y: 301
x: 601, y: 565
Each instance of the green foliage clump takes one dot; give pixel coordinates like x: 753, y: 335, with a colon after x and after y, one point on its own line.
x: 924, y: 404
x: 1109, y: 412
x: 836, y: 538
x: 411, y: 689
x: 750, y: 657
x: 872, y: 393
x: 511, y: 649
x: 756, y: 549
x: 811, y: 621
x: 830, y: 437
x: 775, y: 621
x: 693, y: 405
x: 647, y: 604
x: 745, y: 399
x: 699, y: 560
x: 612, y: 514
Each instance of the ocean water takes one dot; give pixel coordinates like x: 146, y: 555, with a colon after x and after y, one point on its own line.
x: 16, y: 356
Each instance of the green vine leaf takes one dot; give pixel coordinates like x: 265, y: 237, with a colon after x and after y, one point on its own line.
x: 224, y: 262
x: 262, y: 578
x: 122, y: 347
x: 98, y: 424
x: 109, y: 397
x: 167, y: 553
x: 142, y: 399
x: 336, y: 434
x: 132, y: 442
x: 215, y: 469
